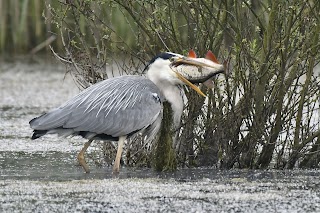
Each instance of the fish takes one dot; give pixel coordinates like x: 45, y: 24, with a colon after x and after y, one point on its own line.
x: 199, y: 74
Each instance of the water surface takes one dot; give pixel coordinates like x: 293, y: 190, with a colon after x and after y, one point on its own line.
x: 43, y: 176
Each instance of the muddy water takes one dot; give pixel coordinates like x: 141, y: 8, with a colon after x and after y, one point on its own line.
x: 43, y: 175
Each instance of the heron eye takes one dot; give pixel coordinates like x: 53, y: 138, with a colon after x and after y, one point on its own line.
x: 172, y: 59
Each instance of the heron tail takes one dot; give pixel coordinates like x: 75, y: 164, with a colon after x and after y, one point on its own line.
x: 38, y: 133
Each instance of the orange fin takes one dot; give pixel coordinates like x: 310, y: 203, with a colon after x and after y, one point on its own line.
x: 211, y: 57
x: 192, y: 54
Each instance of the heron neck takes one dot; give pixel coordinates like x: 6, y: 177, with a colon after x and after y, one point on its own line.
x: 173, y: 95
x: 167, y: 82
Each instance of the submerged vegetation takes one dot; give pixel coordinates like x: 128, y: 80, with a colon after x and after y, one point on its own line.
x: 264, y: 114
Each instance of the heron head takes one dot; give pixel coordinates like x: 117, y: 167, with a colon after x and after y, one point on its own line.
x: 178, y: 69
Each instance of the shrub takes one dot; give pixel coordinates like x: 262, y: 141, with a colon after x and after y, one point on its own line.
x: 265, y: 113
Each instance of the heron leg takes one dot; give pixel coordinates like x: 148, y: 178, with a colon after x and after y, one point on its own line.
x: 80, y: 156
x: 116, y: 166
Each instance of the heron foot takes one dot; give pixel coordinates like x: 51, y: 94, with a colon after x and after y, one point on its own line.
x: 115, y: 170
x: 116, y: 166
x: 83, y: 162
x: 81, y: 158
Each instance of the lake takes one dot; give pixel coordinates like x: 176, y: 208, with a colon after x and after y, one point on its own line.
x: 43, y: 175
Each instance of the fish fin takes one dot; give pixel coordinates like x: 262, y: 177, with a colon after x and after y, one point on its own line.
x: 192, y: 54
x: 212, y: 57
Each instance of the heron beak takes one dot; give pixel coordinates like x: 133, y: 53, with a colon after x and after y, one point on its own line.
x: 184, y: 80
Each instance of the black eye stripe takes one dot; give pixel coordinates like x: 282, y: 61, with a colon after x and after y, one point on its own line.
x: 164, y: 56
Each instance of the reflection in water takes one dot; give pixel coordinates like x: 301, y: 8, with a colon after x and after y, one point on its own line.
x: 62, y: 166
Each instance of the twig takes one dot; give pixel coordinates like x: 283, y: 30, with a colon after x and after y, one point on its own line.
x: 42, y: 45
x: 59, y: 57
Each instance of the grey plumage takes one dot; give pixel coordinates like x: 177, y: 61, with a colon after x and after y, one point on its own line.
x: 111, y: 108
x: 122, y: 107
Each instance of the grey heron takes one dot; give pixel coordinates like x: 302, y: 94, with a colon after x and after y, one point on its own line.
x: 121, y: 107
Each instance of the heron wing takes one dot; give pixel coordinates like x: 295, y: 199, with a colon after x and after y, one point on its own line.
x: 117, y: 106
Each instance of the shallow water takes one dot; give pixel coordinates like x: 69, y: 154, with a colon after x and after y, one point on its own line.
x: 43, y: 176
